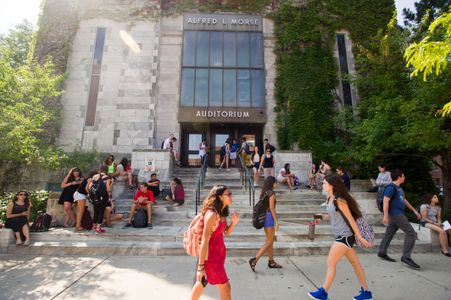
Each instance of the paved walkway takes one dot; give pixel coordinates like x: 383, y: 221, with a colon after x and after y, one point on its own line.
x: 123, y: 277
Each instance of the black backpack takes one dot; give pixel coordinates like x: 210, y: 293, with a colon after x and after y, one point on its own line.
x: 380, y: 196
x: 247, y: 149
x: 97, y: 192
x: 42, y: 223
x: 140, y: 219
x: 86, y: 220
x: 259, y: 212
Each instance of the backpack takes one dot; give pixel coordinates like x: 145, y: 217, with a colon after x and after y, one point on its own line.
x: 365, y: 229
x: 42, y: 223
x: 247, y: 149
x: 223, y: 151
x: 97, y: 192
x: 140, y: 219
x: 192, y: 237
x: 380, y: 196
x: 259, y: 212
x: 86, y: 220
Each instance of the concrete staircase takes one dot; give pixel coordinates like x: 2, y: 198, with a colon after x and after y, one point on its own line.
x: 294, y: 209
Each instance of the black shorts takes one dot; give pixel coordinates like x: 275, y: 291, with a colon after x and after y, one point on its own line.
x: 348, y: 241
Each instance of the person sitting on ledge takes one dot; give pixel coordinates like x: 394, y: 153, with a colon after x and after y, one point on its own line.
x: 154, y: 185
x: 285, y: 176
x: 18, y: 216
x: 143, y: 198
x: 177, y: 194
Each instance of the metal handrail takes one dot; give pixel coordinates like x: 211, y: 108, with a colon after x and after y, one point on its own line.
x: 247, y: 181
x: 200, y: 180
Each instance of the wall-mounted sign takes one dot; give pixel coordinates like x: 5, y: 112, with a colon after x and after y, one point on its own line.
x: 235, y: 22
x: 222, y: 115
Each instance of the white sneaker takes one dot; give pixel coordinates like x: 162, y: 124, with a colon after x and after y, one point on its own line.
x: 324, y: 204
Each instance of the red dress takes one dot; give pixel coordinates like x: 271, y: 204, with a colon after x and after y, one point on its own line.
x: 214, y: 266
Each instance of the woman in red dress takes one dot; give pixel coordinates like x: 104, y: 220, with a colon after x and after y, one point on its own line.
x: 212, y: 252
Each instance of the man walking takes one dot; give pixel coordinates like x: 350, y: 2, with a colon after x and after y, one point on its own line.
x: 394, y: 206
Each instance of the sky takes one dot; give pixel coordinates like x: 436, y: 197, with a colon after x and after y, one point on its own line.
x: 14, y: 11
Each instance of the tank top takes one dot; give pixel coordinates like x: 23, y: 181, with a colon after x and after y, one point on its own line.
x: 256, y: 158
x: 111, y: 169
x: 432, y: 211
x: 268, y: 162
x: 338, y: 223
x: 82, y: 187
x: 18, y: 209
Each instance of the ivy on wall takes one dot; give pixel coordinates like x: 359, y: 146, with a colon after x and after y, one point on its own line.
x: 307, y: 68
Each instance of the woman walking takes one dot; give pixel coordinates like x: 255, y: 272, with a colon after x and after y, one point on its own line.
x: 70, y: 185
x: 212, y: 251
x: 339, y: 202
x: 267, y: 163
x: 18, y: 217
x: 271, y: 225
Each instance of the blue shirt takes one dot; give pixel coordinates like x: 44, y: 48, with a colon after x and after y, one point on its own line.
x: 397, y: 204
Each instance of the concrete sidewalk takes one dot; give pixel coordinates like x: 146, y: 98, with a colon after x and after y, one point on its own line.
x: 122, y: 277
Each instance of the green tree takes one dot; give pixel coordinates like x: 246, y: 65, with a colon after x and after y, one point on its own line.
x: 26, y: 89
x: 432, y: 54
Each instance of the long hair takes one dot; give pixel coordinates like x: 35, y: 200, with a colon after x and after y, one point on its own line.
x: 27, y: 198
x: 428, y: 199
x: 178, y: 181
x: 213, y: 202
x: 287, y: 168
x: 108, y: 157
x: 124, y: 162
x: 340, y: 191
x: 268, y: 185
x: 71, y: 175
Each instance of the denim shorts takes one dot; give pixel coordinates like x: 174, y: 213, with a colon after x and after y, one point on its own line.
x: 269, y: 220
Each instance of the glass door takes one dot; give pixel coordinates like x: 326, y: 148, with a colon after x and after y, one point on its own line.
x: 194, y: 140
x: 219, y: 140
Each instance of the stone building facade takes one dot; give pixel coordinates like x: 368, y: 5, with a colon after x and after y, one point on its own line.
x: 131, y: 82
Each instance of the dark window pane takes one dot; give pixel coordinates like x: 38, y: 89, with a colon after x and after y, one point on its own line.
x: 229, y: 49
x: 230, y: 88
x: 258, y: 91
x: 244, y: 88
x: 201, y: 96
x: 202, y: 48
x: 189, y: 48
x: 187, y: 87
x: 343, y: 60
x: 242, y: 45
x: 215, y: 87
x: 216, y: 49
x: 256, y: 50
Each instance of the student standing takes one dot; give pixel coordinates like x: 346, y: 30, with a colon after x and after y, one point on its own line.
x: 212, y: 252
x: 267, y: 164
x: 271, y: 225
x: 395, y: 203
x: 339, y: 199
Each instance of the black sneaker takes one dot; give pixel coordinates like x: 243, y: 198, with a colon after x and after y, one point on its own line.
x: 386, y: 257
x: 409, y: 262
x: 150, y: 226
x: 128, y: 225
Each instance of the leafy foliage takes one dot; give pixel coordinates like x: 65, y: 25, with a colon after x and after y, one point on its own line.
x: 38, y: 201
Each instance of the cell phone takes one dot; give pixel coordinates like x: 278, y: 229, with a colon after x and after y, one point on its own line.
x: 204, y: 281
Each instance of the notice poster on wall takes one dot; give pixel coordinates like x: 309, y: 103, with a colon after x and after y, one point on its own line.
x: 149, y: 164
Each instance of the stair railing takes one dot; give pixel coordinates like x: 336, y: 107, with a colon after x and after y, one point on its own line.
x: 200, y: 180
x: 247, y: 181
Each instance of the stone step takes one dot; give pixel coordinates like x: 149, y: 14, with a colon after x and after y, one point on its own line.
x: 157, y: 248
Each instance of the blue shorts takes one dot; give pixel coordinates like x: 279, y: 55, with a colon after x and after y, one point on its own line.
x: 269, y: 220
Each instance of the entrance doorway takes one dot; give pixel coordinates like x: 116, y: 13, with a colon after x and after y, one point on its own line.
x: 216, y: 135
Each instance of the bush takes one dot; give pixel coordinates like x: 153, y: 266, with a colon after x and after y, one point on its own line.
x: 38, y: 200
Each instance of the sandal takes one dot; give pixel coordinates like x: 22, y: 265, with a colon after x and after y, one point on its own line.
x: 273, y: 265
x: 253, y: 263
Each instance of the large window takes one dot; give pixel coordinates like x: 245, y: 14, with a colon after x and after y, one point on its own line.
x: 344, y: 70
x: 222, y: 69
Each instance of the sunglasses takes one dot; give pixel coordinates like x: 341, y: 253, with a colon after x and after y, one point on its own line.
x: 229, y: 194
x: 22, y: 194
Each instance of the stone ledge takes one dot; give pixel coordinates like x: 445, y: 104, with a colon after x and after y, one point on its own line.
x: 6, y: 239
